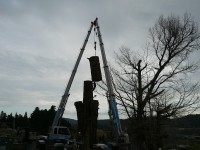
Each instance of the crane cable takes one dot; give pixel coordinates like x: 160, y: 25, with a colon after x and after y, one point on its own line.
x: 95, y: 43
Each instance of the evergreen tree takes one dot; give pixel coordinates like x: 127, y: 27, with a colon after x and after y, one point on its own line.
x: 10, y: 121
x: 3, y: 116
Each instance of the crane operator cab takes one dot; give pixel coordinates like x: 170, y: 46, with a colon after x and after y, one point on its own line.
x: 59, y: 134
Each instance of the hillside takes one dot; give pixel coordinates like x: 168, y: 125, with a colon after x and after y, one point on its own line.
x: 190, y: 121
x: 102, y: 124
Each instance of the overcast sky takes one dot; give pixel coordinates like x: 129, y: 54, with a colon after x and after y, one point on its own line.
x: 41, y: 39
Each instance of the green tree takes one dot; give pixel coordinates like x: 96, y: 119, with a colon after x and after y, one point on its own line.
x: 35, y: 119
x: 3, y: 116
x: 41, y: 120
x: 51, y: 114
x: 10, y: 121
x: 26, y: 120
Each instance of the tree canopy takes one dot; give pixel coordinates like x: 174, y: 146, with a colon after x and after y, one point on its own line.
x: 156, y: 84
x: 39, y: 121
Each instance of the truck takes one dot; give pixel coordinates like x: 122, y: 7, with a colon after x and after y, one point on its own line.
x: 59, y: 134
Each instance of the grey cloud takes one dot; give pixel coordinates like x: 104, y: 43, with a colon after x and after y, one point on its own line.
x: 40, y: 41
x: 25, y: 64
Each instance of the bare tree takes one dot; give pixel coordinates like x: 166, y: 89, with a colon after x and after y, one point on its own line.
x: 155, y: 84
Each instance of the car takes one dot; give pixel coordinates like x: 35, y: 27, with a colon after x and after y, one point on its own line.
x: 101, y: 146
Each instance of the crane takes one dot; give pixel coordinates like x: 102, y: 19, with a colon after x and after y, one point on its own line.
x: 64, y: 99
x: 114, y: 116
